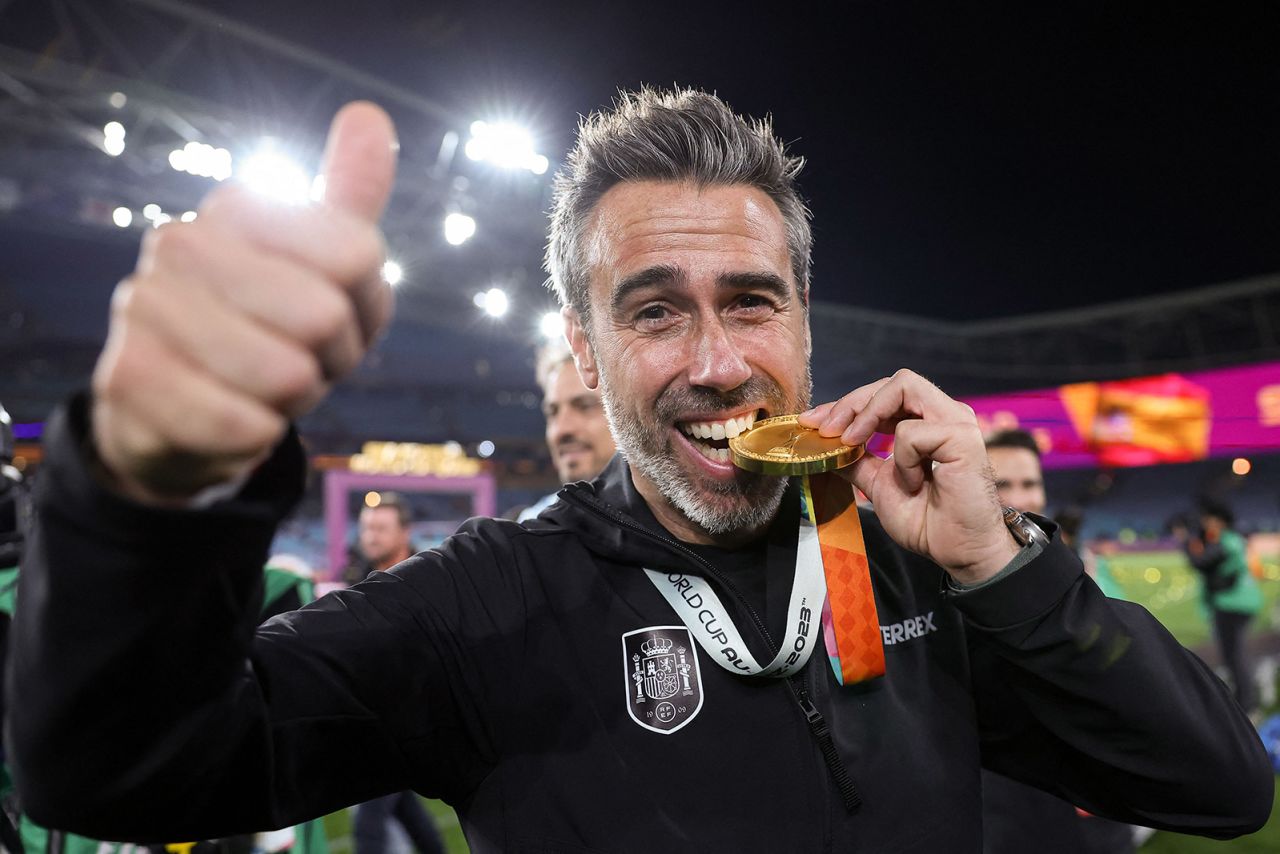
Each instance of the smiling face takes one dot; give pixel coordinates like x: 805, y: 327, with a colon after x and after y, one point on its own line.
x: 577, y: 431
x: 1019, y: 480
x: 697, y: 329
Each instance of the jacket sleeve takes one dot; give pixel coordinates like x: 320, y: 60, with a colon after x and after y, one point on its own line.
x: 151, y: 707
x: 1093, y: 700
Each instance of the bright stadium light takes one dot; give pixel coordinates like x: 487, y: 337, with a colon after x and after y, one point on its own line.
x: 113, y: 138
x: 493, y: 302
x: 393, y: 273
x: 505, y: 145
x: 485, y: 449
x: 151, y: 211
x: 273, y: 174
x: 122, y: 217
x: 206, y: 161
x: 551, y: 325
x: 188, y: 216
x: 458, y: 228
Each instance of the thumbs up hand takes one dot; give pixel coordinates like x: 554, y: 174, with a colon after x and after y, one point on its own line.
x: 237, y: 322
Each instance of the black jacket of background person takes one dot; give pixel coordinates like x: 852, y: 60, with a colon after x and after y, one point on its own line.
x: 490, y: 672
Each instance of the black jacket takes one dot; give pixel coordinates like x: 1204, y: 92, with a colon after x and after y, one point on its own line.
x: 491, y: 672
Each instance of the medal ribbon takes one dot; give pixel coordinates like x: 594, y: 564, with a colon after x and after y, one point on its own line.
x: 831, y: 568
x: 851, y: 625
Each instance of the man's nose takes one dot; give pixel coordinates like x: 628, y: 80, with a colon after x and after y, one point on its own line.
x: 717, y: 362
x: 562, y: 424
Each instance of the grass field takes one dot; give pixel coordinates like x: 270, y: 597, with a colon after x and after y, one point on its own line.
x: 1160, y: 581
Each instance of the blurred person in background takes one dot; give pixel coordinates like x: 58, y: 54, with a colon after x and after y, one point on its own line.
x: 1018, y: 818
x: 1015, y: 461
x: 386, y: 532
x: 386, y: 539
x: 578, y: 434
x: 1230, y: 593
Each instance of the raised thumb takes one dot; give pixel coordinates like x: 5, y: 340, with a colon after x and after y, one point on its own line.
x: 360, y: 160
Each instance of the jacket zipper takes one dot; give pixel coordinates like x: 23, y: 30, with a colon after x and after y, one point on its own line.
x: 849, y: 794
x: 817, y: 723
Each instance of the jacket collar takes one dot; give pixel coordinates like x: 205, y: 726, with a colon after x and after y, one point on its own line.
x: 613, y: 520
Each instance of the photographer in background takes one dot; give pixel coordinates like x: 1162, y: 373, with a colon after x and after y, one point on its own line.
x: 1230, y: 592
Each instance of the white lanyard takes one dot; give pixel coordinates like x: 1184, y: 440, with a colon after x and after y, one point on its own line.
x: 702, y: 612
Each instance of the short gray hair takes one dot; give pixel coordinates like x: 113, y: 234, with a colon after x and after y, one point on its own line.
x: 551, y: 356
x: 668, y: 135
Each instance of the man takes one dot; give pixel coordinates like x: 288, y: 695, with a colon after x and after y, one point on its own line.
x: 539, y: 676
x: 1229, y: 591
x: 385, y: 532
x: 578, y: 434
x: 1015, y: 461
x: 385, y: 537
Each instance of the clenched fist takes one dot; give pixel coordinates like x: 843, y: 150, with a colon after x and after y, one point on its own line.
x: 237, y: 322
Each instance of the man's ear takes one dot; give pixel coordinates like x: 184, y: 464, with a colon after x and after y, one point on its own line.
x: 583, y: 356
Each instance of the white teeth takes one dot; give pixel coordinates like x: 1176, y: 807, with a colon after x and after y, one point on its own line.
x: 718, y: 455
x: 726, y: 429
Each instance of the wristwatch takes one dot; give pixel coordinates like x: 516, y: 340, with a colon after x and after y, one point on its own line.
x: 1023, y: 529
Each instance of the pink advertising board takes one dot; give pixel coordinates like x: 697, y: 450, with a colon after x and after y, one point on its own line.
x: 1146, y: 420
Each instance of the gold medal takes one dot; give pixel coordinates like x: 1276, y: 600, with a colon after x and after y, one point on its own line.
x: 781, y: 446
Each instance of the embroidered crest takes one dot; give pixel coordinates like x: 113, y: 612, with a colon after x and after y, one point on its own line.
x: 664, y: 686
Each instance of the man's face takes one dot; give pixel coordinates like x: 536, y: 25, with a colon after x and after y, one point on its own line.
x: 697, y: 328
x: 383, y: 541
x: 1018, y: 478
x: 577, y: 431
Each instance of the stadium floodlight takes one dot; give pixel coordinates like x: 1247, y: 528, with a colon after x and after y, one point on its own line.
x: 122, y: 217
x: 493, y: 302
x: 552, y: 326
x: 392, y: 272
x: 198, y: 158
x: 113, y: 138
x: 505, y: 145
x: 458, y: 228
x: 151, y: 211
x: 485, y: 449
x: 273, y: 174
x: 188, y: 216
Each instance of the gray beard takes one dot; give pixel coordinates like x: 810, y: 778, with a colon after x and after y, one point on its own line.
x: 749, y: 501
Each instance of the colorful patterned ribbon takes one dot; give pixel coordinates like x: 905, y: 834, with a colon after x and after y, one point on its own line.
x: 849, y: 621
